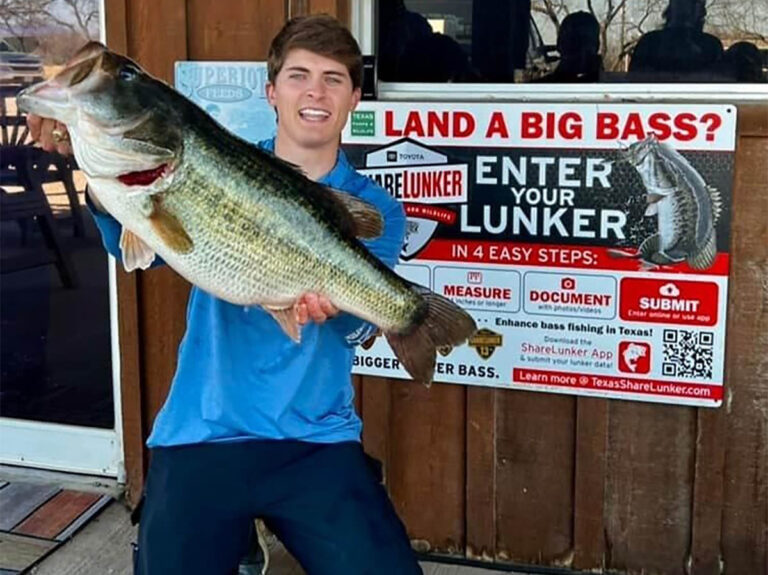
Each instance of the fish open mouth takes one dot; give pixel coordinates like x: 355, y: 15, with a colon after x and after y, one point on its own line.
x: 145, y: 177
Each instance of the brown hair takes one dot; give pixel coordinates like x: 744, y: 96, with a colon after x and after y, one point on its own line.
x: 321, y: 34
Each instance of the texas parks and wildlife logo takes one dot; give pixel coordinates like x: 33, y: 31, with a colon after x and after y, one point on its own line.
x: 421, y: 178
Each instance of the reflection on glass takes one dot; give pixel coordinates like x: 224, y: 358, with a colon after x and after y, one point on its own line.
x: 573, y: 41
x: 55, y: 357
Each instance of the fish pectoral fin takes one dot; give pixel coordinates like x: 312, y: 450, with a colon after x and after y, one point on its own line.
x: 286, y: 318
x: 170, y: 230
x: 136, y: 253
x: 367, y: 222
x: 650, y: 246
x: 652, y: 210
x: 653, y: 198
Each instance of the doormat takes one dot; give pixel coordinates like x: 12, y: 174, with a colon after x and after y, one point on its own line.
x: 36, y: 519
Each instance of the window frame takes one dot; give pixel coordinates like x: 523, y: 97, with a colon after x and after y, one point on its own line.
x: 363, y: 27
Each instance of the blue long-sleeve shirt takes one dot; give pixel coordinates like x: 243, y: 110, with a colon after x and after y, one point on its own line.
x: 239, y: 376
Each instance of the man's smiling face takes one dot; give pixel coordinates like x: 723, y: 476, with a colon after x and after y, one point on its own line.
x: 313, y: 96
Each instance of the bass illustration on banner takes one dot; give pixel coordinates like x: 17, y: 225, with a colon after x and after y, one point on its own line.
x: 686, y: 208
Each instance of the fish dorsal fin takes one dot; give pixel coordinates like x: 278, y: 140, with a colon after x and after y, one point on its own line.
x: 170, y: 229
x: 367, y: 222
x: 286, y: 318
x: 717, y: 203
x: 357, y: 216
x: 136, y: 254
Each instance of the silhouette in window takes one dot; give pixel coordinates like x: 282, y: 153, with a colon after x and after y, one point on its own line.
x: 578, y: 43
x: 681, y: 50
x: 742, y: 62
x: 409, y: 51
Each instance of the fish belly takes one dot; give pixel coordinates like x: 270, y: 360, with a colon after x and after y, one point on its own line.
x: 667, y: 222
x: 245, y: 264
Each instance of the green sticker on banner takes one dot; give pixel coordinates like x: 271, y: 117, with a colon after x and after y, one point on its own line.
x: 364, y: 123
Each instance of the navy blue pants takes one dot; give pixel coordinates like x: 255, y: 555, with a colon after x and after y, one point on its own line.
x: 324, y: 502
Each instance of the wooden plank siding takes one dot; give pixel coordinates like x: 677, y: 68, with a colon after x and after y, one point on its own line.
x: 534, y: 497
x: 496, y: 475
x: 426, y: 462
x: 744, y: 538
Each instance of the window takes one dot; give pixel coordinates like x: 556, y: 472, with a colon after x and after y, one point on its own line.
x: 573, y: 41
x: 55, y: 353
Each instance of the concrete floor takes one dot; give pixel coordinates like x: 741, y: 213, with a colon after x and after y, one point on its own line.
x: 103, y: 547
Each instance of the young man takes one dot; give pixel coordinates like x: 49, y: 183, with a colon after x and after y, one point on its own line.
x: 255, y: 425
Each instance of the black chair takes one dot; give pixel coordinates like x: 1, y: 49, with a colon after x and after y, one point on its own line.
x: 26, y: 167
x: 14, y: 132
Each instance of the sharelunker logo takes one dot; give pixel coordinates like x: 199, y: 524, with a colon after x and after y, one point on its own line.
x: 421, y: 225
x: 421, y: 178
x: 485, y: 342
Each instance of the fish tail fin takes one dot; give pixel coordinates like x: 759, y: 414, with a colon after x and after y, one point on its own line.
x: 705, y: 257
x: 442, y: 324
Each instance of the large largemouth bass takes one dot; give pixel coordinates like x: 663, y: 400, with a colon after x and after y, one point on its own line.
x: 686, y: 208
x: 227, y: 216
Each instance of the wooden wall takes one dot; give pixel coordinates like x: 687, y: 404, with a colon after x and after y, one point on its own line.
x: 508, y: 476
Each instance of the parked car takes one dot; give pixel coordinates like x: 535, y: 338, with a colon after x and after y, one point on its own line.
x: 18, y: 67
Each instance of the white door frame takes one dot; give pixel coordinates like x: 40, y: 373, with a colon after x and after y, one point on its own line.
x: 71, y: 448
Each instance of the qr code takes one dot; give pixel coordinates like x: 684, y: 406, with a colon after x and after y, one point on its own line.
x: 688, y: 353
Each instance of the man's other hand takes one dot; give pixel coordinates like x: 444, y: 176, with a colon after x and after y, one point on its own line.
x: 314, y: 307
x: 52, y: 135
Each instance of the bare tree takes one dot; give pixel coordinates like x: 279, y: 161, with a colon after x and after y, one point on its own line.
x: 637, y: 18
x: 553, y: 10
x: 623, y: 22
x: 53, y: 29
x: 19, y: 16
x: 80, y: 16
x: 611, y: 10
x: 733, y: 20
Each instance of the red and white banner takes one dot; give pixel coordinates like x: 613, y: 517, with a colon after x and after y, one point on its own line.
x: 589, y: 242
x: 686, y: 127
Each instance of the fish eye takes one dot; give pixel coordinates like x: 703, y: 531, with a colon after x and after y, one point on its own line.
x: 128, y: 72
